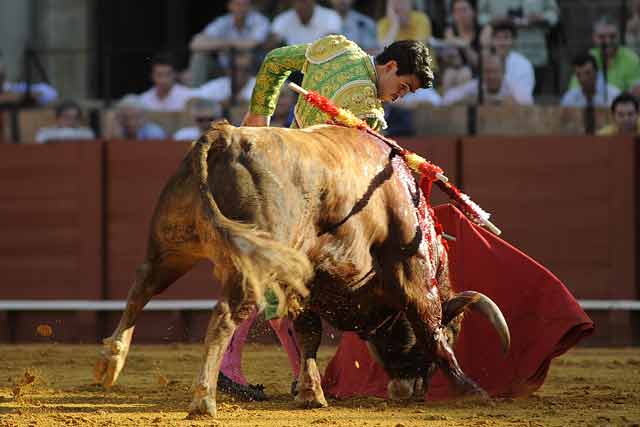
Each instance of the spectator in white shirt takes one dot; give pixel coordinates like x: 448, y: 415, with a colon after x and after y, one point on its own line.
x: 497, y: 89
x: 242, y: 28
x: 305, y: 22
x: 68, y: 126
x: 518, y: 69
x: 202, y: 112
x: 591, y: 89
x: 166, y: 94
x: 356, y: 26
x: 241, y: 75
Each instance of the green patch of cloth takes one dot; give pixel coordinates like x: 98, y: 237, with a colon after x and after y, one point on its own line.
x: 271, y: 304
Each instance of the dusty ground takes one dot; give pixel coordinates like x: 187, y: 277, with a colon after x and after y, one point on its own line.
x: 51, y: 385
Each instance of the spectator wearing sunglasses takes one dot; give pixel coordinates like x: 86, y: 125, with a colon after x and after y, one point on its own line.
x: 202, y: 112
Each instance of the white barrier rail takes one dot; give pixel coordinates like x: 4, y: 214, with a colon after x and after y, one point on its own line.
x: 104, y: 305
x: 200, y: 305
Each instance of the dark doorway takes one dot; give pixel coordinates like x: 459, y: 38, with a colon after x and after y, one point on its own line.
x: 129, y: 34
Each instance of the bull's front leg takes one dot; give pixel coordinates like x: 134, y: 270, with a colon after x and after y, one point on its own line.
x: 308, y: 328
x: 219, y: 332
x: 424, y: 314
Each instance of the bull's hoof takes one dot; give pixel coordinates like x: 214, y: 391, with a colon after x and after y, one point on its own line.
x: 248, y: 392
x: 110, y: 363
x: 310, y: 399
x: 202, y: 407
x: 400, y: 389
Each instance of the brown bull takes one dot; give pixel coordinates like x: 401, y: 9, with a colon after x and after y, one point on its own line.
x: 323, y: 218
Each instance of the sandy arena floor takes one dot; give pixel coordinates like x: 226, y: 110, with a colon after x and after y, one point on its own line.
x: 51, y: 385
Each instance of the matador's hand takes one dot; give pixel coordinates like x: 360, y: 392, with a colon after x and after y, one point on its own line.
x: 251, y: 119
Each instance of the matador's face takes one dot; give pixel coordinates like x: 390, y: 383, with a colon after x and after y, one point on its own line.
x: 392, y: 86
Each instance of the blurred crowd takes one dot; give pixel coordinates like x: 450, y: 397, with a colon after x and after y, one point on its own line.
x: 496, y: 52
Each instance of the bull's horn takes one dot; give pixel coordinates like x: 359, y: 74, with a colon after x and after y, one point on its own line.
x: 483, y: 304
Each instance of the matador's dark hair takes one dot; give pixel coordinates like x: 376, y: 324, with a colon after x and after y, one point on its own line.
x: 412, y: 56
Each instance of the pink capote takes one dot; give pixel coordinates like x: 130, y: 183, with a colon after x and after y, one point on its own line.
x: 544, y: 319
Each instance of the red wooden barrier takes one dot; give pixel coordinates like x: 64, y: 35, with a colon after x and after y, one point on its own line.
x: 51, y: 243
x: 568, y: 202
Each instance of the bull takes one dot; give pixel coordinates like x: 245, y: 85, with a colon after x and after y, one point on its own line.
x: 326, y: 219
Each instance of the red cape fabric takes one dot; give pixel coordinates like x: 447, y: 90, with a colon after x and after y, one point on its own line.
x: 543, y: 317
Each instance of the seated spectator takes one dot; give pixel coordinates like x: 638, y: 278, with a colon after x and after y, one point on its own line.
x: 68, y: 125
x: 403, y: 23
x: 242, y: 28
x: 14, y: 92
x: 202, y: 112
x: 305, y: 22
x: 419, y: 97
x: 622, y: 64
x: 497, y: 89
x: 532, y: 19
x: 166, y: 94
x: 356, y: 26
x: 242, y: 75
x: 464, y: 32
x: 624, y: 111
x: 632, y: 27
x: 455, y: 72
x: 518, y: 69
x: 131, y: 123
x: 591, y: 91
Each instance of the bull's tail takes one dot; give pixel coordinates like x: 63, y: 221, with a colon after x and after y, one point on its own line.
x: 260, y: 261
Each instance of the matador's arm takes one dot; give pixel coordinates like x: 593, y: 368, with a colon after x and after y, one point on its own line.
x: 275, y: 69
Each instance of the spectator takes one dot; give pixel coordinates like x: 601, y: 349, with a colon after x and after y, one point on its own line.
x: 518, y: 69
x: 356, y: 26
x: 131, y: 123
x: 464, y: 32
x: 624, y: 110
x: 202, y: 112
x: 591, y: 91
x: 497, y: 89
x: 13, y: 92
x: 419, y: 97
x: 68, y: 126
x: 632, y: 28
x: 305, y: 23
x: 455, y: 71
x: 532, y: 18
x: 242, y: 75
x: 242, y: 28
x: 622, y: 64
x: 403, y: 23
x: 166, y: 94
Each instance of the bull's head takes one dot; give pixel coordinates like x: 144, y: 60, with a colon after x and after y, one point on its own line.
x: 409, y: 365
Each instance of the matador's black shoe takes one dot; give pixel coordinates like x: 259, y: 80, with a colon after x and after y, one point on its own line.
x: 249, y: 392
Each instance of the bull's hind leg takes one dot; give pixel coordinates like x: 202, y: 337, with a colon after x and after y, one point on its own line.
x: 308, y: 327
x: 224, y: 320
x: 152, y: 277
